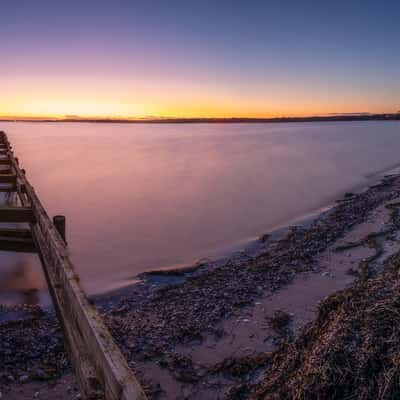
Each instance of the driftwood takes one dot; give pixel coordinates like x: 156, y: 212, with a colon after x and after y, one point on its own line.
x: 100, y: 367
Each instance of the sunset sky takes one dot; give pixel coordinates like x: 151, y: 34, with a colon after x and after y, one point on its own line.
x: 127, y: 58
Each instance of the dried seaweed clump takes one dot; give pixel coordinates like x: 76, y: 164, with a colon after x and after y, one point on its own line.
x: 280, y: 321
x: 351, y: 351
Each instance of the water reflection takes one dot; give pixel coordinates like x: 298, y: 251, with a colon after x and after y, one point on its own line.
x: 21, y: 279
x: 139, y: 197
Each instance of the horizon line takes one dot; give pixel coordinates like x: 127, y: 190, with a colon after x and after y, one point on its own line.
x: 173, y: 119
x: 77, y: 117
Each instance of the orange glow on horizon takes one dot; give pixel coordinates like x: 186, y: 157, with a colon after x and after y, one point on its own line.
x: 135, y: 100
x: 91, y: 94
x: 94, y: 110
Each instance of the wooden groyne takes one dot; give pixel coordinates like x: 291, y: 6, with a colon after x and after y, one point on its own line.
x: 100, y: 367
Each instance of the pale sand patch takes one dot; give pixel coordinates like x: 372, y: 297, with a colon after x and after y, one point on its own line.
x: 64, y: 388
x: 249, y: 332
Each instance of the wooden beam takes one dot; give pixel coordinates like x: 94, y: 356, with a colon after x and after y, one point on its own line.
x: 8, y: 189
x: 18, y: 233
x: 19, y: 245
x: 5, y: 161
x: 6, y: 171
x: 59, y: 223
x: 8, y: 178
x: 17, y: 214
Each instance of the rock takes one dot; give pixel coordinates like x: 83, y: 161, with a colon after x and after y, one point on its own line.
x: 23, y: 378
x: 264, y: 238
x: 41, y: 375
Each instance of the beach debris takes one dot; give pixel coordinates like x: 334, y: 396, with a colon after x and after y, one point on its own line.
x: 264, y: 238
x: 350, y: 351
x: 240, y: 367
x: 23, y: 378
x: 279, y: 321
x: 353, y: 272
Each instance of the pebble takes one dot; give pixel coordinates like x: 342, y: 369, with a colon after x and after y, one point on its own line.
x: 24, y: 378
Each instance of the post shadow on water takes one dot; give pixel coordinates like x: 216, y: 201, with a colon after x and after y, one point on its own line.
x: 21, y: 276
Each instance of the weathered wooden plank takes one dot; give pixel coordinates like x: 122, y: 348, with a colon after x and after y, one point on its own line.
x: 19, y: 245
x: 17, y: 240
x: 8, y: 178
x: 8, y: 188
x: 101, y: 369
x: 16, y: 233
x: 17, y: 214
x: 6, y: 171
x: 5, y: 161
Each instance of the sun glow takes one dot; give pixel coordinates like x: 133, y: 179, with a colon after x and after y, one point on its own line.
x: 69, y: 99
x: 92, y: 108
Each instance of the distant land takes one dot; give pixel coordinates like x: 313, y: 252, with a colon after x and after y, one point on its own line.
x: 175, y: 120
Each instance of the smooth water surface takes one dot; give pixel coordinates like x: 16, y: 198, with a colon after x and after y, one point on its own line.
x: 146, y: 196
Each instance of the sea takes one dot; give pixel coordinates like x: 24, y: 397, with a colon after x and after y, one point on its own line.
x: 142, y: 197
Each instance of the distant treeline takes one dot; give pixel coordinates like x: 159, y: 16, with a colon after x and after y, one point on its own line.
x: 340, y: 117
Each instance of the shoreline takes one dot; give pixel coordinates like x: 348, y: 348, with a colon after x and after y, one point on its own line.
x: 204, y: 335
x: 152, y: 280
x: 160, y: 277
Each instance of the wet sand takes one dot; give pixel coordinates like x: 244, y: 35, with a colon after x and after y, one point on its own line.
x: 192, y: 334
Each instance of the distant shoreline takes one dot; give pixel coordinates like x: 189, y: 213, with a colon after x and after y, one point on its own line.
x: 329, y: 118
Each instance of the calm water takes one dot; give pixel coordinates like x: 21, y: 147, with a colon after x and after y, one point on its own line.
x: 141, y: 197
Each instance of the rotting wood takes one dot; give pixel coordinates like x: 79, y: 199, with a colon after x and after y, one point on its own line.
x: 16, y: 233
x: 15, y: 244
x: 8, y: 188
x: 17, y: 214
x: 100, y: 367
x: 60, y: 224
x: 7, y: 178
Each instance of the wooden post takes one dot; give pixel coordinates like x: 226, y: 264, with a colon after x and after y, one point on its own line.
x: 59, y: 223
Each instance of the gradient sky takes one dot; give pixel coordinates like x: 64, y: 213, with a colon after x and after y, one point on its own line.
x: 188, y: 58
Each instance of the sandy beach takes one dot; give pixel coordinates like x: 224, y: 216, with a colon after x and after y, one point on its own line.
x: 219, y: 329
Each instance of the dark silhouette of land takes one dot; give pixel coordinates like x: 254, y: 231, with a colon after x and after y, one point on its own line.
x: 174, y: 120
